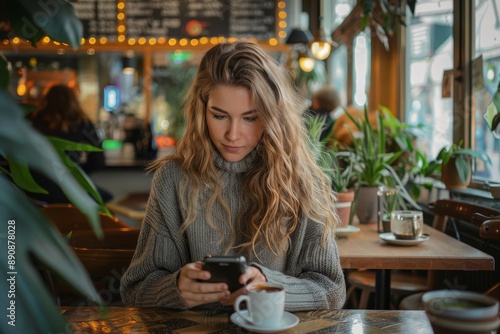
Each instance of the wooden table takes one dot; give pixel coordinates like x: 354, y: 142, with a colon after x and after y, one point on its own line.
x: 159, y: 320
x: 365, y: 250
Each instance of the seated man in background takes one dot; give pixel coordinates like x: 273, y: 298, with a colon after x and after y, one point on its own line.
x: 324, y: 103
x: 343, y: 126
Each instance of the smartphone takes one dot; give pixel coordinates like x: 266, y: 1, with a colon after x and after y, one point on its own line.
x: 225, y: 269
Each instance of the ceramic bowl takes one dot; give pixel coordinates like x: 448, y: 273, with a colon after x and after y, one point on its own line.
x: 452, y: 311
x: 495, y: 191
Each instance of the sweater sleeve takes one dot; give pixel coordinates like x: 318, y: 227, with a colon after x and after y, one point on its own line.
x: 151, y: 279
x: 314, y: 278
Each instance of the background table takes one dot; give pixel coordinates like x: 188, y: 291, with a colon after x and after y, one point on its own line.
x: 365, y: 250
x: 156, y: 320
x: 130, y: 205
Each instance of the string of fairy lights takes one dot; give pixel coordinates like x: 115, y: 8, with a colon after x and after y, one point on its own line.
x: 93, y: 42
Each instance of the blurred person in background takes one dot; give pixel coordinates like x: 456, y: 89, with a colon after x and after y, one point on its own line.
x: 60, y: 115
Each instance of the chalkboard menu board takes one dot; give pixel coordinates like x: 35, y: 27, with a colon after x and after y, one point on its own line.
x: 179, y: 18
x: 200, y: 18
x: 98, y: 17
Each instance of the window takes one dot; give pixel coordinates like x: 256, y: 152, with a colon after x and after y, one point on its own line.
x: 338, y: 73
x: 487, y: 46
x: 361, y: 69
x: 429, y: 53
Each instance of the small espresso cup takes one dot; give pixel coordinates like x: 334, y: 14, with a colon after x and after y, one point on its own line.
x: 265, y: 304
x: 407, y: 224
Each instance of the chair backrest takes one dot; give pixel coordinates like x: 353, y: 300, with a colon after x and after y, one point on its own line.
x: 466, y: 219
x: 68, y: 218
x: 109, y: 256
x: 490, y: 229
x: 465, y: 211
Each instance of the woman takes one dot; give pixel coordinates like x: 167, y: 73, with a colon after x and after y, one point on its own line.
x: 240, y: 182
x: 61, y: 116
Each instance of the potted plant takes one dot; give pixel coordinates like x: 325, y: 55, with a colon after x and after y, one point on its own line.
x: 27, y: 234
x: 455, y: 164
x: 373, y: 166
x: 341, y: 173
x: 421, y: 182
x: 338, y: 166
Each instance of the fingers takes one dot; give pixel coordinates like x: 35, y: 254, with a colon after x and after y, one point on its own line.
x: 194, y: 291
x: 194, y: 299
x: 229, y: 300
x: 252, y: 274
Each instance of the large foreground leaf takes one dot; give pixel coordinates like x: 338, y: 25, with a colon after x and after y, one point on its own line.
x: 62, y: 147
x: 19, y: 142
x: 32, y: 19
x: 27, y: 235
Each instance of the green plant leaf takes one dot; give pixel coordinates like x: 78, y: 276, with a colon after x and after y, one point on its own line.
x: 496, y: 122
x: 62, y: 146
x: 32, y: 19
x: 411, y: 4
x: 415, y: 191
x: 22, y: 177
x: 22, y: 144
x: 34, y: 238
x: 462, y: 166
x: 28, y: 108
x: 22, y: 22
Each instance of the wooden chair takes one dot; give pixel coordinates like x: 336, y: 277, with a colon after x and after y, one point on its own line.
x: 108, y: 256
x: 105, y: 260
x: 403, y: 283
x: 488, y: 221
x: 68, y: 218
x: 445, y: 209
x: 407, y: 283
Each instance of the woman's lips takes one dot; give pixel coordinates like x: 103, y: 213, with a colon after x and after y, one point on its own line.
x: 232, y: 149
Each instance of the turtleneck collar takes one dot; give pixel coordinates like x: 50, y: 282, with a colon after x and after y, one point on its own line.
x: 236, y: 167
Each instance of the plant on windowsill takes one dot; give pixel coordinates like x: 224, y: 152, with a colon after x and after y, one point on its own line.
x: 412, y: 165
x: 373, y: 166
x: 455, y: 165
x: 421, y: 172
x: 25, y: 230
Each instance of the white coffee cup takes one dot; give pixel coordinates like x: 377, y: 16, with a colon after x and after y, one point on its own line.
x: 265, y: 304
x: 407, y: 224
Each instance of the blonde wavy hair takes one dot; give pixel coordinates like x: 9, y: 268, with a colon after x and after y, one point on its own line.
x: 286, y: 183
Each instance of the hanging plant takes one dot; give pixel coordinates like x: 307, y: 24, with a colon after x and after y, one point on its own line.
x: 383, y: 15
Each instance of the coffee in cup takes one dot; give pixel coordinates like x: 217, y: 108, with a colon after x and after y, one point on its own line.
x: 265, y: 304
x: 407, y: 224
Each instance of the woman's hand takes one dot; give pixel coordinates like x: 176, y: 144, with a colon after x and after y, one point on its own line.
x: 252, y: 274
x: 195, y: 293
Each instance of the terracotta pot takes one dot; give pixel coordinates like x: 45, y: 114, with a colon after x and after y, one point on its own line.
x: 450, y: 177
x: 367, y: 206
x: 343, y: 206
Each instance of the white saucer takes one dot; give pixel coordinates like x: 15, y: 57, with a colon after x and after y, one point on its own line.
x: 391, y: 239
x: 289, y: 320
x: 346, y: 230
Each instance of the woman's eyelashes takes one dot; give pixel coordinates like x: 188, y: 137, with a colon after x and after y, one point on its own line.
x: 251, y: 118
x: 223, y: 117
x: 220, y: 117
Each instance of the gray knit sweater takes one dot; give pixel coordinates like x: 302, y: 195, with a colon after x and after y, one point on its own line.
x: 311, y: 274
